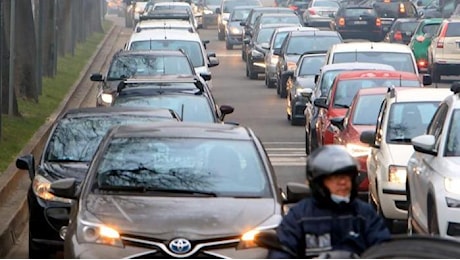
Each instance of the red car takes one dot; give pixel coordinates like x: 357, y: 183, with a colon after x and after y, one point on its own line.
x: 361, y: 116
x: 345, y: 87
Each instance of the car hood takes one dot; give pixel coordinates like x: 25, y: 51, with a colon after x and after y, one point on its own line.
x: 400, y: 153
x: 447, y: 166
x: 75, y: 170
x: 306, y: 81
x: 111, y: 86
x: 169, y: 217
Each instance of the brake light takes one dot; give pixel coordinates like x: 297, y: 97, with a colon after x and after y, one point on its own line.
x: 397, y: 36
x: 342, y: 21
x: 440, y: 43
x: 378, y: 22
x: 422, y: 63
x: 402, y: 8
x: 312, y: 11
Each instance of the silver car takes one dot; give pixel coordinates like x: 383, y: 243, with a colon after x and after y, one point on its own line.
x: 320, y: 12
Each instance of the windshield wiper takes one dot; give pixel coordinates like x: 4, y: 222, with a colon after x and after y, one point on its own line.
x: 144, y: 189
x: 66, y: 161
x: 402, y: 140
x: 341, y: 105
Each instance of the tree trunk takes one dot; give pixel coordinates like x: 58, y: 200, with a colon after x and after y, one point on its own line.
x: 48, y: 39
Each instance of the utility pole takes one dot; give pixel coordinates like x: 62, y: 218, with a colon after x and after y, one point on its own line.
x: 12, y: 57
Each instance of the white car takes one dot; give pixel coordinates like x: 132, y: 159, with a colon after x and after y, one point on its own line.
x: 152, y: 24
x: 433, y: 181
x: 404, y: 114
x: 175, y: 6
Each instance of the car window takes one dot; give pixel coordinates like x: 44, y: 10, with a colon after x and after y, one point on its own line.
x: 359, y: 12
x: 409, y: 119
x: 453, y: 136
x: 279, y: 38
x: 171, y: 7
x: 225, y: 168
x: 367, y: 109
x: 327, y: 80
x: 239, y: 14
x: 192, y: 108
x: 437, y: 123
x: 299, y: 44
x: 76, y: 139
x: 430, y: 29
x: 289, y: 19
x: 230, y: 5
x: 213, y: 2
x: 399, y: 61
x: 264, y: 35
x: 453, y: 30
x: 311, y: 65
x: 407, y: 26
x: 395, y: 10
x: 191, y: 48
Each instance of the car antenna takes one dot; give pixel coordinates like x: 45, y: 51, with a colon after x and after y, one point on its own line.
x: 150, y: 42
x: 356, y: 55
x: 182, y: 111
x: 400, y: 80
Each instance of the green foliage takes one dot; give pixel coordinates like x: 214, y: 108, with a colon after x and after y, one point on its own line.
x: 17, y: 131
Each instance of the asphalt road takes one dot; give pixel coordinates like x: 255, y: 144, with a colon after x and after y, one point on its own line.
x: 255, y: 106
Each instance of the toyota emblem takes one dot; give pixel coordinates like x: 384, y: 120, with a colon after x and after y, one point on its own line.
x: 180, y: 246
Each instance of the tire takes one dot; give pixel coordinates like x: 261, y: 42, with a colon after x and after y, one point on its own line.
x: 433, y: 226
x: 435, y: 75
x: 307, y: 142
x: 278, y: 88
x: 220, y: 36
x: 414, y: 247
x: 228, y: 46
x: 410, y: 228
x: 252, y: 75
x: 283, y: 90
x: 243, y: 54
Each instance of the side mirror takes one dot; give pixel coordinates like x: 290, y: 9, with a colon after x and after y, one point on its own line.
x: 424, y: 144
x: 64, y: 188
x: 265, y: 45
x: 296, y: 192
x: 225, y: 110
x: 211, y: 54
x: 286, y: 74
x: 206, y: 76
x: 27, y: 162
x: 246, y: 40
x: 213, y: 61
x: 277, y: 51
x: 338, y: 122
x: 427, y: 80
x: 205, y: 43
x: 96, y: 77
x: 320, y: 102
x: 316, y: 78
x: 368, y: 137
x: 218, y: 10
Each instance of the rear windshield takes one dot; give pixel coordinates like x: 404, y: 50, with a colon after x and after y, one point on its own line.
x: 395, y: 10
x: 406, y: 26
x: 311, y: 65
x: 264, y: 35
x: 399, y: 61
x: 430, y: 28
x: 453, y: 30
x: 300, y: 44
x: 359, y: 12
x: 289, y: 19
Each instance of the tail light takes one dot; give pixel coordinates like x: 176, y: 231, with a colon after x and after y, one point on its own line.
x: 312, y: 11
x: 397, y: 36
x: 378, y: 22
x: 342, y: 21
x: 422, y: 63
x: 440, y: 43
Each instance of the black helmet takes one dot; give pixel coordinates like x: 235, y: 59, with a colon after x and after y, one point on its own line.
x: 328, y: 160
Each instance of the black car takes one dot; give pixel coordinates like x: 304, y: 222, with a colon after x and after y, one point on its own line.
x: 357, y: 22
x: 390, y: 10
x: 128, y: 64
x: 300, y: 86
x: 233, y: 28
x: 402, y: 30
x: 71, y: 145
x: 184, y: 190
x: 248, y: 24
x: 294, y: 45
x: 188, y: 96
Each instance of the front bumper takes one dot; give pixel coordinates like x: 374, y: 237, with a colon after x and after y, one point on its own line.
x: 448, y: 67
x: 235, y: 39
x: 298, y: 107
x: 257, y: 64
x: 393, y: 200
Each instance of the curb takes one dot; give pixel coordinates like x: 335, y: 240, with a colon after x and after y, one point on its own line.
x: 14, y: 183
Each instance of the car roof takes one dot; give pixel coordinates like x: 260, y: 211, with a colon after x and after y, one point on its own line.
x: 169, y: 34
x: 372, y: 91
x: 156, y: 90
x: 370, y: 46
x: 275, y: 25
x: 313, y: 32
x: 151, y: 53
x: 172, y: 3
x: 163, y: 80
x: 185, y: 129
x: 104, y: 111
x: 276, y: 14
x: 292, y: 27
x: 359, y: 74
x: 356, y: 66
x: 245, y: 7
x: 408, y: 94
x: 165, y: 23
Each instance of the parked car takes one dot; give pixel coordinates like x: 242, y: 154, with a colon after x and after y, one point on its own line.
x: 402, y: 30
x: 432, y: 173
x: 421, y: 40
x: 150, y: 203
x: 443, y: 56
x: 360, y: 22
x: 68, y: 151
x: 319, y: 13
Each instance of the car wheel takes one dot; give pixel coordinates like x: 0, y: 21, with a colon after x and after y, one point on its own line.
x: 247, y: 70
x: 307, y: 141
x: 220, y: 35
x: 435, y: 75
x: 278, y: 87
x: 283, y: 91
x: 252, y: 75
x: 228, y: 46
x: 410, y: 229
x: 243, y: 54
x: 433, y: 226
x: 288, y: 117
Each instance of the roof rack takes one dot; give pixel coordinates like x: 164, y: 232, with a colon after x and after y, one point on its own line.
x: 133, y: 82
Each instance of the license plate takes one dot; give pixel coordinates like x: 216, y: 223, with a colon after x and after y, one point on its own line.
x: 360, y: 22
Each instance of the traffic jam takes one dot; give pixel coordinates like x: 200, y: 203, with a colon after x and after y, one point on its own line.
x: 157, y: 168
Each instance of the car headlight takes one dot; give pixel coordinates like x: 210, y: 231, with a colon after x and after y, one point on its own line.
x: 274, y: 60
x: 452, y: 185
x: 357, y: 150
x: 41, y: 187
x: 256, y: 54
x: 452, y: 203
x: 291, y: 65
x: 247, y: 240
x: 98, y: 233
x: 235, y: 30
x: 107, y: 98
x: 397, y: 174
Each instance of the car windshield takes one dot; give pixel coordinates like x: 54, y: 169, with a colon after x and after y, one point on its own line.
x: 192, y: 108
x: 76, y: 139
x: 310, y: 66
x: 409, y: 119
x: 125, y: 66
x: 299, y: 44
x: 399, y: 61
x: 347, y: 89
x: 264, y: 35
x: 239, y: 14
x: 395, y: 10
x: 287, y: 19
x: 171, y: 7
x: 367, y: 109
x: 208, y: 166
x: 191, y: 48
x: 326, y: 4
x: 453, y: 137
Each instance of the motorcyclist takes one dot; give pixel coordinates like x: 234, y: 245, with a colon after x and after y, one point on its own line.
x: 332, y: 219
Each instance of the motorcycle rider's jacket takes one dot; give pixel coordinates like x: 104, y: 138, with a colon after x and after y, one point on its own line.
x: 312, y: 227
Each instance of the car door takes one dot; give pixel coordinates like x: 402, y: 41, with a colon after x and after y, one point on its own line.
x: 421, y: 180
x: 374, y: 156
